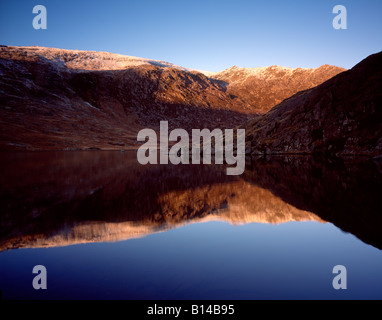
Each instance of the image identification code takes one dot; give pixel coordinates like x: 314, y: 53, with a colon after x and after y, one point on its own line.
x: 212, y: 309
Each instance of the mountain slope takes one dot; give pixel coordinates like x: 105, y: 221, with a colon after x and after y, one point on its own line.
x: 341, y: 116
x: 62, y: 99
x: 263, y: 88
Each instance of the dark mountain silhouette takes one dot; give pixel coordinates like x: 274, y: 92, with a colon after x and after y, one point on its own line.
x: 342, y: 116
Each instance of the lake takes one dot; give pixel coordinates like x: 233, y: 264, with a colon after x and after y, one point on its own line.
x: 106, y: 227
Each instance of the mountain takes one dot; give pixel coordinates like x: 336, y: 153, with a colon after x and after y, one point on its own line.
x: 69, y: 99
x: 262, y: 88
x: 63, y: 99
x: 342, y: 116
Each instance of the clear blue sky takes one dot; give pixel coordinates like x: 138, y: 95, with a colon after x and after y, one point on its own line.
x: 206, y: 35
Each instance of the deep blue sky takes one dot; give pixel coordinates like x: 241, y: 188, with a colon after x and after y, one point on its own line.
x: 203, y: 34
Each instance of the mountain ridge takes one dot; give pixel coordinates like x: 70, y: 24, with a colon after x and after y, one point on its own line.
x: 264, y: 87
x: 58, y: 99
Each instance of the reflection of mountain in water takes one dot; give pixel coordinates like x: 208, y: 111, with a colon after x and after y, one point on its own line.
x: 62, y: 198
x: 346, y: 192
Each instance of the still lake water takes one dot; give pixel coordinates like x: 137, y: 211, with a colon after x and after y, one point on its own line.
x: 106, y: 227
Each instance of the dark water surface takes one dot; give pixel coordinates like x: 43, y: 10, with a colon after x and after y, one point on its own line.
x: 106, y: 227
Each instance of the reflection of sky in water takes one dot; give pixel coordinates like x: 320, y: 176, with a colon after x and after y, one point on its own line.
x: 211, y: 260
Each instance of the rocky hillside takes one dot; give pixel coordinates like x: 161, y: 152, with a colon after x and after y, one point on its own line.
x: 263, y: 88
x: 342, y: 116
x: 69, y: 99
